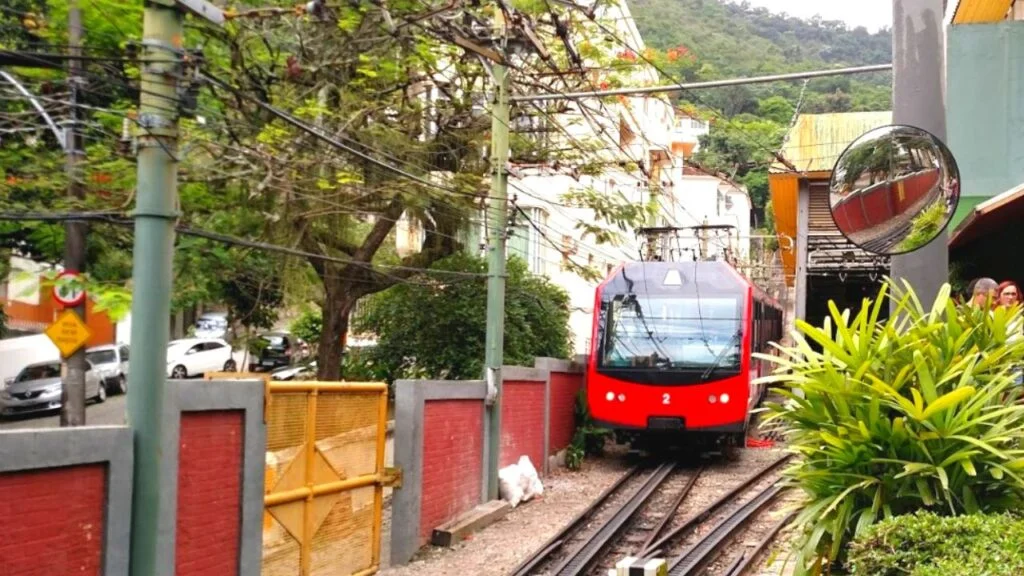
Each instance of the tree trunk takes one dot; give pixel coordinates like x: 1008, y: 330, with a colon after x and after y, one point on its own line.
x: 338, y: 304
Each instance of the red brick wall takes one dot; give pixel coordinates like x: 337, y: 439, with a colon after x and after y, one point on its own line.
x: 564, y: 388
x: 522, y: 422
x: 209, y: 493
x: 452, y: 461
x: 53, y: 521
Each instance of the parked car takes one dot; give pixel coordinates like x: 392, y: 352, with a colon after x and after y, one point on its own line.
x: 37, y: 388
x: 212, y: 325
x: 111, y: 364
x: 279, y: 349
x: 197, y: 356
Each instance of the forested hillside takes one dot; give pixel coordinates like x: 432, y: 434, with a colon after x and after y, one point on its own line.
x: 732, y: 40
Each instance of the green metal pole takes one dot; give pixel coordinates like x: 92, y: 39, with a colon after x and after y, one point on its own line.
x: 497, y: 216
x: 154, y: 215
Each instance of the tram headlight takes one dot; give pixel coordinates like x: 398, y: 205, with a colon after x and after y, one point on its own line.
x: 622, y: 397
x: 712, y: 399
x: 724, y: 398
x: 610, y: 396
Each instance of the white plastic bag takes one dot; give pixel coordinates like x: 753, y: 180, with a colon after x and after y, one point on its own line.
x: 530, y: 479
x: 510, y: 485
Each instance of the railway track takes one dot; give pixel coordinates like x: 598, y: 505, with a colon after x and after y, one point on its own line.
x: 637, y: 516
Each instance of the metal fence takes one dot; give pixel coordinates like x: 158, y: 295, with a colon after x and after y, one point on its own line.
x: 325, y: 477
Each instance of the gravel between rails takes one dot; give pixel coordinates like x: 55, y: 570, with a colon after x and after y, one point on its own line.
x: 498, y: 549
x: 501, y: 547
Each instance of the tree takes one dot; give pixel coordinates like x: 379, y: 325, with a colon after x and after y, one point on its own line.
x: 387, y: 82
x: 403, y: 95
x: 429, y: 328
x: 743, y: 148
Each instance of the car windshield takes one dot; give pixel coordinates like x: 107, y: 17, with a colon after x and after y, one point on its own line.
x: 101, y: 357
x: 39, y: 372
x: 211, y: 323
x: 671, y: 332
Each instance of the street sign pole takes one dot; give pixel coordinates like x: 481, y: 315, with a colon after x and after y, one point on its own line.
x: 72, y: 395
x: 918, y: 99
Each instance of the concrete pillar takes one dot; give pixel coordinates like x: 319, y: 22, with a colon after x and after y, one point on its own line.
x: 918, y: 93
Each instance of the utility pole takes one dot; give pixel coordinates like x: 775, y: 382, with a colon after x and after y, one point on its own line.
x: 497, y: 217
x: 918, y: 94
x: 72, y: 395
x: 163, y: 30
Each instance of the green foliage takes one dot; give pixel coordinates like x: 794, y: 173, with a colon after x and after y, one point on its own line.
x: 364, y: 365
x: 731, y: 40
x: 253, y: 297
x: 889, y: 418
x: 924, y: 228
x: 926, y: 544
x: 308, y: 325
x: 434, y: 328
x: 589, y: 439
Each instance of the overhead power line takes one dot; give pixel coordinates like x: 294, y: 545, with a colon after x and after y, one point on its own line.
x: 117, y: 219
x: 313, y: 131
x: 704, y: 85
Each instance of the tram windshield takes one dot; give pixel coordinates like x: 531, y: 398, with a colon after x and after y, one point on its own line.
x: 671, y: 332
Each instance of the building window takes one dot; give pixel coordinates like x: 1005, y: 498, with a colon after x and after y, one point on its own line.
x: 527, y: 242
x: 536, y: 247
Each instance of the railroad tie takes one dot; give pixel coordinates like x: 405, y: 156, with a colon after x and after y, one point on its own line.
x: 631, y: 566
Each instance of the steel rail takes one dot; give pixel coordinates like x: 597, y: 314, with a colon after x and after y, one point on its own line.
x: 747, y: 559
x: 703, y: 551
x: 711, y: 508
x: 556, y: 541
x: 580, y: 559
x: 673, y: 507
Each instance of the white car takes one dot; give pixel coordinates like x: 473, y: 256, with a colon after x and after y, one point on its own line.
x: 196, y: 356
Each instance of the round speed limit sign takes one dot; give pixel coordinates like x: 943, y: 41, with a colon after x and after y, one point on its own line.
x: 69, y: 289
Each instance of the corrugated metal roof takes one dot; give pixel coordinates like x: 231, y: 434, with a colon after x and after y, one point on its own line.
x: 981, y: 11
x: 816, y: 141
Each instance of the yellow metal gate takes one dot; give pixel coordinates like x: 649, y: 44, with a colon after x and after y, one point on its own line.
x: 325, y: 478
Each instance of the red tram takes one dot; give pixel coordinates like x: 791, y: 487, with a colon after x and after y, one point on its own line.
x: 670, y: 357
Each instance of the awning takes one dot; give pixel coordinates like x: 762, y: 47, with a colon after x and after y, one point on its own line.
x: 980, y: 11
x: 995, y: 213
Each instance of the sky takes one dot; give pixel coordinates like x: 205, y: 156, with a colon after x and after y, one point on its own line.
x: 871, y: 14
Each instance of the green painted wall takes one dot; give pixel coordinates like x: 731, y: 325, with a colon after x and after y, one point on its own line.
x: 985, y: 109
x: 963, y: 208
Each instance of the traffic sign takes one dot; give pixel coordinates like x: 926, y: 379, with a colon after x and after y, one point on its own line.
x: 68, y: 333
x: 68, y: 289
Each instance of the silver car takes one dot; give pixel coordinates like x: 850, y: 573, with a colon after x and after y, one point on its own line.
x: 37, y: 389
x: 111, y: 365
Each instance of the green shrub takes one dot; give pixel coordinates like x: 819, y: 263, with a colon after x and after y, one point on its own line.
x: 309, y: 325
x: 891, y: 418
x: 925, y: 544
x: 924, y: 227
x: 589, y: 439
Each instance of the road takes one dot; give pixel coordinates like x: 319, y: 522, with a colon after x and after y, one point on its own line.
x: 109, y: 413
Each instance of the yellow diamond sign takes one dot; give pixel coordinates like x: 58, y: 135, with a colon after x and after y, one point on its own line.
x: 68, y: 333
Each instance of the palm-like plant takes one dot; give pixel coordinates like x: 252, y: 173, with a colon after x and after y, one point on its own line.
x: 917, y: 412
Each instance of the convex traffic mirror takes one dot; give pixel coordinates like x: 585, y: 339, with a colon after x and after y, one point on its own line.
x: 894, y: 190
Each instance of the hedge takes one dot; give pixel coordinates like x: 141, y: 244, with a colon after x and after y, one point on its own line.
x: 925, y: 544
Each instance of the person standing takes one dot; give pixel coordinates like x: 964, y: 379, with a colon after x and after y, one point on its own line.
x: 984, y: 292
x: 1008, y: 294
